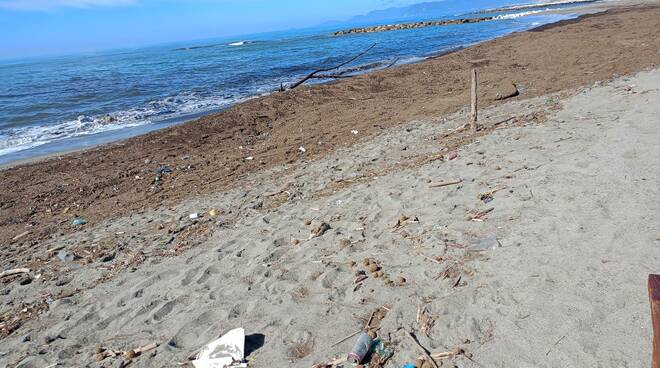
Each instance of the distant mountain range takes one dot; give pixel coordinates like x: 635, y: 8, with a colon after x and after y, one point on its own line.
x: 434, y: 10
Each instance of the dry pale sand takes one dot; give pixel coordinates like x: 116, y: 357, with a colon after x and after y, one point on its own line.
x: 554, y: 276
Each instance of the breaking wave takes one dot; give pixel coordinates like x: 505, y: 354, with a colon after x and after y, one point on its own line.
x: 22, y: 138
x: 518, y: 15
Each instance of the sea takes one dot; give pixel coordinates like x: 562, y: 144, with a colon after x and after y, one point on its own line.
x: 50, y: 105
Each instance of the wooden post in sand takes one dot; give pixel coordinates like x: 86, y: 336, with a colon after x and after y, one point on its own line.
x: 473, y: 101
x: 654, y: 297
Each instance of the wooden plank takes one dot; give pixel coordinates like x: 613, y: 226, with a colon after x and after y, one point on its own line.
x: 654, y: 297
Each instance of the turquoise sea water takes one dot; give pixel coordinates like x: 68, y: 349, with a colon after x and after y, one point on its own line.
x: 55, y: 104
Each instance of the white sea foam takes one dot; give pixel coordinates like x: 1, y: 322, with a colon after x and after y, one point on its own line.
x: 540, y: 4
x: 19, y: 139
x: 518, y: 15
x: 239, y: 43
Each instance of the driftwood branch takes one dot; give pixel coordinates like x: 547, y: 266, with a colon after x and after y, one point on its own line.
x: 396, y: 60
x: 15, y: 271
x: 330, y: 76
x: 315, y: 73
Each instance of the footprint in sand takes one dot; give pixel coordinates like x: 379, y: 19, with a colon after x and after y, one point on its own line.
x: 236, y: 311
x: 164, y: 310
x: 116, y: 317
x: 210, y: 271
x: 189, y: 276
x: 200, y: 330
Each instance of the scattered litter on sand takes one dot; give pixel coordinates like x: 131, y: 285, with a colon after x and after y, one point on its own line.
x: 65, y: 256
x: 78, y: 222
x: 360, y: 349
x: 225, y: 352
x: 483, y: 244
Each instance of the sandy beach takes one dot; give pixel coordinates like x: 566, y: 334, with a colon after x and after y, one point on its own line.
x: 535, y: 256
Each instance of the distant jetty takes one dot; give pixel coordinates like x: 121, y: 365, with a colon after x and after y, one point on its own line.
x: 438, y: 23
x: 400, y: 26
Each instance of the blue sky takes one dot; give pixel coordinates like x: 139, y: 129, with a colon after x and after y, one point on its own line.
x: 46, y: 27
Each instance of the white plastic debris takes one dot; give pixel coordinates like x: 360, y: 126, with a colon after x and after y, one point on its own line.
x: 302, y: 149
x: 225, y: 352
x: 194, y: 216
x: 484, y: 244
x: 249, y: 158
x: 354, y: 132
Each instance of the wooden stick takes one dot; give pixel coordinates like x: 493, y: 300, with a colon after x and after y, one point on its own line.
x: 654, y: 298
x: 55, y: 248
x: 480, y: 214
x: 446, y: 354
x: 443, y: 355
x: 556, y: 343
x: 20, y: 235
x: 345, y: 338
x: 430, y: 259
x: 15, y: 271
x: 139, y: 351
x: 504, y: 121
x: 146, y: 348
x: 473, y: 101
x: 447, y: 183
x: 366, y: 327
x: 423, y: 350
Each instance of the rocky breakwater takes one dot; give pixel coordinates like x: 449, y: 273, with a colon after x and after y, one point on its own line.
x: 400, y: 26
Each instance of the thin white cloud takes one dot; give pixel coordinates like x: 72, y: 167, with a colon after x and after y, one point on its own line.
x: 52, y: 4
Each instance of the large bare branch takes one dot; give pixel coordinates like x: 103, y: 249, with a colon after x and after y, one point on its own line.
x: 314, y: 74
